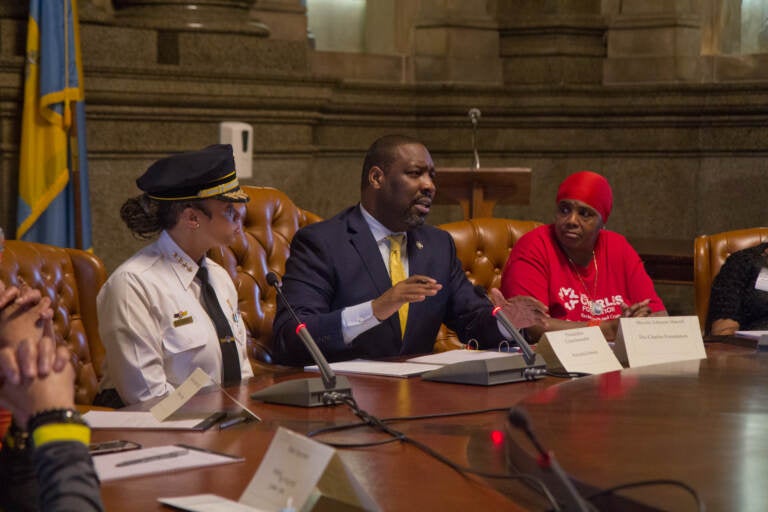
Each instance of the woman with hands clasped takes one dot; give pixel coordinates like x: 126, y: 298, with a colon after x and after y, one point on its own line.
x: 586, y: 274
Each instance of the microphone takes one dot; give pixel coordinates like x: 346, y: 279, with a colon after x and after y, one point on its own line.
x: 518, y: 419
x: 305, y: 392
x: 498, y: 370
x: 498, y: 313
x: 474, y: 115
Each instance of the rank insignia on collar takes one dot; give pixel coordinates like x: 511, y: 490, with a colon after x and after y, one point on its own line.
x: 183, y: 262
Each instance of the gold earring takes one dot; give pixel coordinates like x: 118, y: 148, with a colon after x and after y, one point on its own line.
x: 196, y: 226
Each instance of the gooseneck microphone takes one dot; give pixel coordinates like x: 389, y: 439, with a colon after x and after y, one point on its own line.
x: 498, y: 313
x: 474, y: 115
x: 329, y: 378
x: 518, y: 419
x: 499, y: 370
x: 305, y: 392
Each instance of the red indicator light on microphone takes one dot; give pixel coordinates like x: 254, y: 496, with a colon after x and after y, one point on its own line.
x: 301, y: 326
x: 497, y: 436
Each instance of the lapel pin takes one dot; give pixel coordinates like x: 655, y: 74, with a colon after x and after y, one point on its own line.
x: 419, y: 245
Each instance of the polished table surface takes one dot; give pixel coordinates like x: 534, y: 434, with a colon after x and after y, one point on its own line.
x: 398, y: 476
x: 701, y: 422
x: 704, y: 423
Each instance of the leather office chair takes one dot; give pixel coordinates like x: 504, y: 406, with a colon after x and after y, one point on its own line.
x: 483, y: 246
x: 269, y: 222
x: 71, y: 279
x: 709, y: 254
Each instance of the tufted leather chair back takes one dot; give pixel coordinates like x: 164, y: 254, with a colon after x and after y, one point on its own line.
x: 270, y: 219
x: 482, y: 245
x: 71, y: 279
x: 709, y: 254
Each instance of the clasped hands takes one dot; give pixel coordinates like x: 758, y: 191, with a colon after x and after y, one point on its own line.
x: 35, y: 374
x: 637, y: 309
x: 522, y: 311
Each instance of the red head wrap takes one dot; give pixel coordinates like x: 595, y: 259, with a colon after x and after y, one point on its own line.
x: 590, y: 188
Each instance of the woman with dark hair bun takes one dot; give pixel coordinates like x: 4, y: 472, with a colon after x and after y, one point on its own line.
x: 169, y: 309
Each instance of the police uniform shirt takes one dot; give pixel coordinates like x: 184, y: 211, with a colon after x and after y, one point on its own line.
x: 154, y: 328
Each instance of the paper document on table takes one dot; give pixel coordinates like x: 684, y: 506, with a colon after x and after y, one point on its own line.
x: 127, y: 420
x: 207, y: 503
x: 459, y: 356
x: 387, y: 369
x: 160, y: 459
x: 752, y: 335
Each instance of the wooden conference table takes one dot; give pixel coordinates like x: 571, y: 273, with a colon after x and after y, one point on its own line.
x: 700, y: 422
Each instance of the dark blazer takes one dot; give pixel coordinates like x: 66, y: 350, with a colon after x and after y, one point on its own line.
x: 336, y: 263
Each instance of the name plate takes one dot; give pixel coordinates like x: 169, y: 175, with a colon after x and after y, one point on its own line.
x: 660, y: 339
x: 300, y: 473
x: 181, y: 395
x: 577, y: 350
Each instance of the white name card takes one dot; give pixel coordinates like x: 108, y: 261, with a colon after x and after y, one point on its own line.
x: 299, y: 471
x: 659, y: 339
x: 581, y: 350
x: 181, y: 395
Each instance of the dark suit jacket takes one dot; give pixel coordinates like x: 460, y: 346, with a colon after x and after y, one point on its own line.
x: 336, y: 263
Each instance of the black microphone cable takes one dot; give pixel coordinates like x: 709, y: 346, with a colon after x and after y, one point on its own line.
x: 700, y: 506
x: 519, y: 419
x: 397, y: 436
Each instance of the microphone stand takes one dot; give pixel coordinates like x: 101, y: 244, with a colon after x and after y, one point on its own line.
x: 502, y: 370
x: 519, y: 419
x: 531, y: 358
x: 474, y: 115
x: 328, y: 390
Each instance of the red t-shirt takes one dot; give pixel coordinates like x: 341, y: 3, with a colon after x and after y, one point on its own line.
x: 538, y: 267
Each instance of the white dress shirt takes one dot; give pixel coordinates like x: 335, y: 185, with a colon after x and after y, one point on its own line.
x: 357, y: 319
x: 154, y: 328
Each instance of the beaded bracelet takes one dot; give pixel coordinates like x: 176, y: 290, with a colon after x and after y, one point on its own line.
x: 54, y: 416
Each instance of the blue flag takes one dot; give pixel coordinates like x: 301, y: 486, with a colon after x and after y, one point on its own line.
x: 54, y: 205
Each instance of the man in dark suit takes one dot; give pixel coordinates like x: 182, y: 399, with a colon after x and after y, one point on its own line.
x: 339, y: 274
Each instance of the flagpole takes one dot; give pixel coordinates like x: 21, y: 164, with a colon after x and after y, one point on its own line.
x: 71, y: 125
x: 74, y: 158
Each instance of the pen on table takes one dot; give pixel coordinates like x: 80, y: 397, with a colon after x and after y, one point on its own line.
x: 211, y: 420
x: 151, y: 458
x: 240, y: 418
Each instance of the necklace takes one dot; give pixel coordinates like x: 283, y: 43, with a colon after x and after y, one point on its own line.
x: 595, y: 308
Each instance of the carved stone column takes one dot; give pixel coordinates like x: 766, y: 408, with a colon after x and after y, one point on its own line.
x: 654, y: 41
x: 286, y: 19
x: 228, y: 16
x: 456, y: 41
x: 552, y: 42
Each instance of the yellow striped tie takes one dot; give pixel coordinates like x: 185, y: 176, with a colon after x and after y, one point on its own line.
x: 397, y: 274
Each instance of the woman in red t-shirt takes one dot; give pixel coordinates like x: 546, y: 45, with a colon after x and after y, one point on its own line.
x: 584, y: 273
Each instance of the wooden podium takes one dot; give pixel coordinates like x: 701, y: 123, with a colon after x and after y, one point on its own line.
x: 478, y: 190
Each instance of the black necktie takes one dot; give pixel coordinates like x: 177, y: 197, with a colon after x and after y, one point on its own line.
x: 229, y: 356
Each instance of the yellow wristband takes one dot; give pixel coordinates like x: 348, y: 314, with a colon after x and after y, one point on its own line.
x: 61, y: 432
